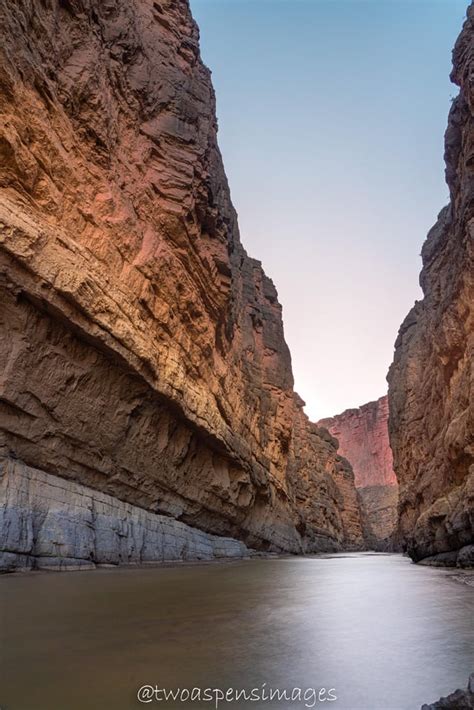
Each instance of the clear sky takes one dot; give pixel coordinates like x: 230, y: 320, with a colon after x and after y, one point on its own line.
x: 331, y: 122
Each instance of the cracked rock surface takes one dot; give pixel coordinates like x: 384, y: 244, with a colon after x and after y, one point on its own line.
x: 431, y: 379
x: 142, y: 350
x: 363, y: 439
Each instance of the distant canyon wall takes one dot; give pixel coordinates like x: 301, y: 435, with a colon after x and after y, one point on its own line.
x: 142, y: 351
x: 363, y: 439
x: 431, y: 378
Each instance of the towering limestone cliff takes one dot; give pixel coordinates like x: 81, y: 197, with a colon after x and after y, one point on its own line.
x: 144, y: 377
x: 363, y: 439
x: 431, y: 379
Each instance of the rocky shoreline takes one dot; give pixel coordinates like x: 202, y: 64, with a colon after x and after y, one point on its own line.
x: 464, y: 558
x: 54, y: 524
x: 50, y: 523
x: 459, y: 700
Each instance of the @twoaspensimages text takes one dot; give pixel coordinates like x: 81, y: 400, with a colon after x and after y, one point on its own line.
x: 307, y: 697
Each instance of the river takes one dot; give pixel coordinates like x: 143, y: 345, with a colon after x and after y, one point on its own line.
x: 375, y: 631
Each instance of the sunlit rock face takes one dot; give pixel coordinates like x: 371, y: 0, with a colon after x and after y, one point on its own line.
x: 431, y: 379
x: 142, y: 351
x: 363, y: 439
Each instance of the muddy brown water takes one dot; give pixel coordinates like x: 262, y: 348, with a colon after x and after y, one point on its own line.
x: 377, y: 631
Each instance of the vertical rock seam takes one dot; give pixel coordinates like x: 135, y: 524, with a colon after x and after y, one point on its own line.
x: 363, y: 439
x: 431, y: 378
x: 142, y: 351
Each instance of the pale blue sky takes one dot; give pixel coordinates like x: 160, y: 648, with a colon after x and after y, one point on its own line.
x: 331, y: 122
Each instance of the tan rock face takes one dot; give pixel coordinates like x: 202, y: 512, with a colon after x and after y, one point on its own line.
x: 379, y: 511
x: 142, y: 350
x: 431, y: 379
x: 363, y: 439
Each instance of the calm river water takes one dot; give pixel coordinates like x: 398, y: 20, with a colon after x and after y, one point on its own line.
x: 385, y: 634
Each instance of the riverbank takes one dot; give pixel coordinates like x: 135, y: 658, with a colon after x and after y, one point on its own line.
x: 50, y: 523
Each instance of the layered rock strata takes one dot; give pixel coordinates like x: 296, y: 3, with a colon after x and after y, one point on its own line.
x: 142, y: 351
x: 363, y: 439
x: 47, y: 522
x: 431, y: 378
x: 379, y: 506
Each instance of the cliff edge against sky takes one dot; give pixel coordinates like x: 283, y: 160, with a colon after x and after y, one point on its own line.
x: 431, y: 379
x: 142, y: 350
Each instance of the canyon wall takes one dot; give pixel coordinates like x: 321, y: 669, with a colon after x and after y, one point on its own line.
x: 52, y: 523
x: 363, y: 439
x: 431, y: 378
x: 142, y: 351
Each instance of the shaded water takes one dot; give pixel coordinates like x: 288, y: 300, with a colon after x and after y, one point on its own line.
x: 385, y: 634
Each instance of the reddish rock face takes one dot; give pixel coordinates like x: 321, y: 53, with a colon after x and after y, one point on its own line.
x: 431, y: 380
x: 145, y: 355
x: 363, y: 439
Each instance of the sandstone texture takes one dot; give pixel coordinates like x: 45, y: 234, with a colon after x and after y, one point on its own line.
x: 142, y: 352
x: 431, y: 378
x: 363, y: 439
x: 379, y: 506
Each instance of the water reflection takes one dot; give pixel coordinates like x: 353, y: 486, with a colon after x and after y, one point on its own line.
x: 387, y: 635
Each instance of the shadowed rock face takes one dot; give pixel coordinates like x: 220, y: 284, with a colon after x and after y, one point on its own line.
x: 48, y: 522
x: 378, y: 505
x: 431, y: 379
x: 142, y: 351
x: 363, y: 439
x: 459, y: 700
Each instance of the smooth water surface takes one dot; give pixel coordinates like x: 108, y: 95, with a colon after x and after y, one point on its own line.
x: 384, y: 633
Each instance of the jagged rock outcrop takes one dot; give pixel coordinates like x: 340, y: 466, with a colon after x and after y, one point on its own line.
x: 459, y: 700
x: 363, y: 439
x: 142, y: 351
x: 431, y: 379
